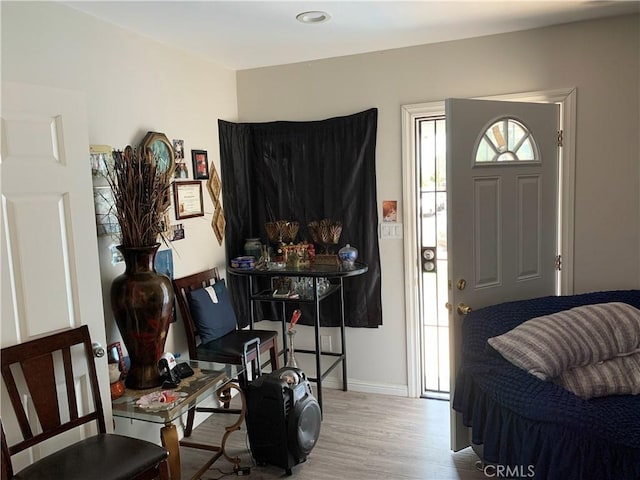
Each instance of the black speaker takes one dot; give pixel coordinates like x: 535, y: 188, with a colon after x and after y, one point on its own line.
x: 283, y: 418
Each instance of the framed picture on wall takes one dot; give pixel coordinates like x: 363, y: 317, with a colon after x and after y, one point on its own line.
x: 214, y: 185
x: 181, y: 171
x: 178, y: 149
x: 200, y: 164
x: 187, y: 199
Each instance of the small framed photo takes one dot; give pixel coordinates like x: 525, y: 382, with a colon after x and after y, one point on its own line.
x: 181, y: 171
x: 200, y: 164
x: 282, y: 286
x: 187, y: 199
x: 178, y: 232
x: 178, y: 149
x: 389, y: 210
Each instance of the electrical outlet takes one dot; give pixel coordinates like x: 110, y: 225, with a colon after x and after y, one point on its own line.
x: 325, y: 343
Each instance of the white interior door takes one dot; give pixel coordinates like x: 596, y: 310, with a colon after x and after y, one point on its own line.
x: 502, y: 213
x: 50, y: 270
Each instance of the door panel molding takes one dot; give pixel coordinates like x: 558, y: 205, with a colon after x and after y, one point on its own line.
x: 529, y: 247
x: 487, y: 232
x: 28, y: 257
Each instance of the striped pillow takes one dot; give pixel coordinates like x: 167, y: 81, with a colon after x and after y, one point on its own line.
x: 616, y: 376
x: 547, y: 346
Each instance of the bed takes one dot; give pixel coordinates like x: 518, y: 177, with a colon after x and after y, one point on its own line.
x: 537, y: 427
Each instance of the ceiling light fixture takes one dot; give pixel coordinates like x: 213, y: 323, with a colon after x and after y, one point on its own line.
x: 314, y: 16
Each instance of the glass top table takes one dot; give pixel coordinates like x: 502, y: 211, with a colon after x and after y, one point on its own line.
x: 208, y: 379
x: 331, y: 271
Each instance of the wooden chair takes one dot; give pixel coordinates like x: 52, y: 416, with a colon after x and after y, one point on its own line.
x: 43, y: 370
x: 229, y: 348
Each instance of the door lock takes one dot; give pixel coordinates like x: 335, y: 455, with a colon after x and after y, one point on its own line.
x: 428, y: 259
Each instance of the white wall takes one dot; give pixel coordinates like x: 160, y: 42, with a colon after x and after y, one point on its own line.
x: 132, y: 85
x: 600, y: 58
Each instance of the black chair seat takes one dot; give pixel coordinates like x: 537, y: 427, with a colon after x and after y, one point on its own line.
x: 229, y: 348
x: 100, y: 457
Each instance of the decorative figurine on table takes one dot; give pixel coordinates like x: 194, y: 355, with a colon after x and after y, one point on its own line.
x: 280, y: 233
x: 296, y: 256
x: 311, y: 251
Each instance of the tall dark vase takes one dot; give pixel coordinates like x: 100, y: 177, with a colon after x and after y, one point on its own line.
x: 142, y: 304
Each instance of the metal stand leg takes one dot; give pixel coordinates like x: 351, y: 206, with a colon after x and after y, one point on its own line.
x: 252, y: 315
x: 343, y: 343
x: 318, y: 344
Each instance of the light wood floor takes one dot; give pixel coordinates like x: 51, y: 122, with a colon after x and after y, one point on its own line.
x: 363, y: 437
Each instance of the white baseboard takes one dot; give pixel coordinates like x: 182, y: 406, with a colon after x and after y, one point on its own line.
x: 368, y: 387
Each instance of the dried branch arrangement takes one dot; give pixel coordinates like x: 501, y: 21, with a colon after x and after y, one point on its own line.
x: 141, y: 196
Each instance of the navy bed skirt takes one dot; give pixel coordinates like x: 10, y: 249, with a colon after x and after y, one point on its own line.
x: 530, y: 425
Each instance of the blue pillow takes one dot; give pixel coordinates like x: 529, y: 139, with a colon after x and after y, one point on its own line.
x: 212, y: 320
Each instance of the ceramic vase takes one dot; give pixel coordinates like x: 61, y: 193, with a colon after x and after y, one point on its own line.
x: 142, y: 304
x: 348, y: 256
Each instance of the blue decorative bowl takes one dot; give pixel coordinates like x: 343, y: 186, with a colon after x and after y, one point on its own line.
x: 247, y: 262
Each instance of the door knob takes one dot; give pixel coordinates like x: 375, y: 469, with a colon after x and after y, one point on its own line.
x: 463, y: 309
x: 98, y: 350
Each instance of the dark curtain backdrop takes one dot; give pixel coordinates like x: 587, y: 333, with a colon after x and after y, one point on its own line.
x: 305, y: 171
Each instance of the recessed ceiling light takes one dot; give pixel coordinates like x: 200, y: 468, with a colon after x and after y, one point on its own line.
x: 314, y: 16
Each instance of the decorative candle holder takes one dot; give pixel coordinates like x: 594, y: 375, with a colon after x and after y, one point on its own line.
x: 325, y: 233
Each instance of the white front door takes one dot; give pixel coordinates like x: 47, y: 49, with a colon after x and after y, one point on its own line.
x: 50, y: 269
x: 502, y: 211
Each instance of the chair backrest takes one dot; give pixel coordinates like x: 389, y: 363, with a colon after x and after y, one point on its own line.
x: 30, y: 369
x: 182, y: 287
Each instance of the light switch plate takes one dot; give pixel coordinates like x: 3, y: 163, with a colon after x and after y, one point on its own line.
x: 390, y: 230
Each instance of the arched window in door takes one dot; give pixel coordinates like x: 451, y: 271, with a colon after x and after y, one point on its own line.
x: 506, y: 140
